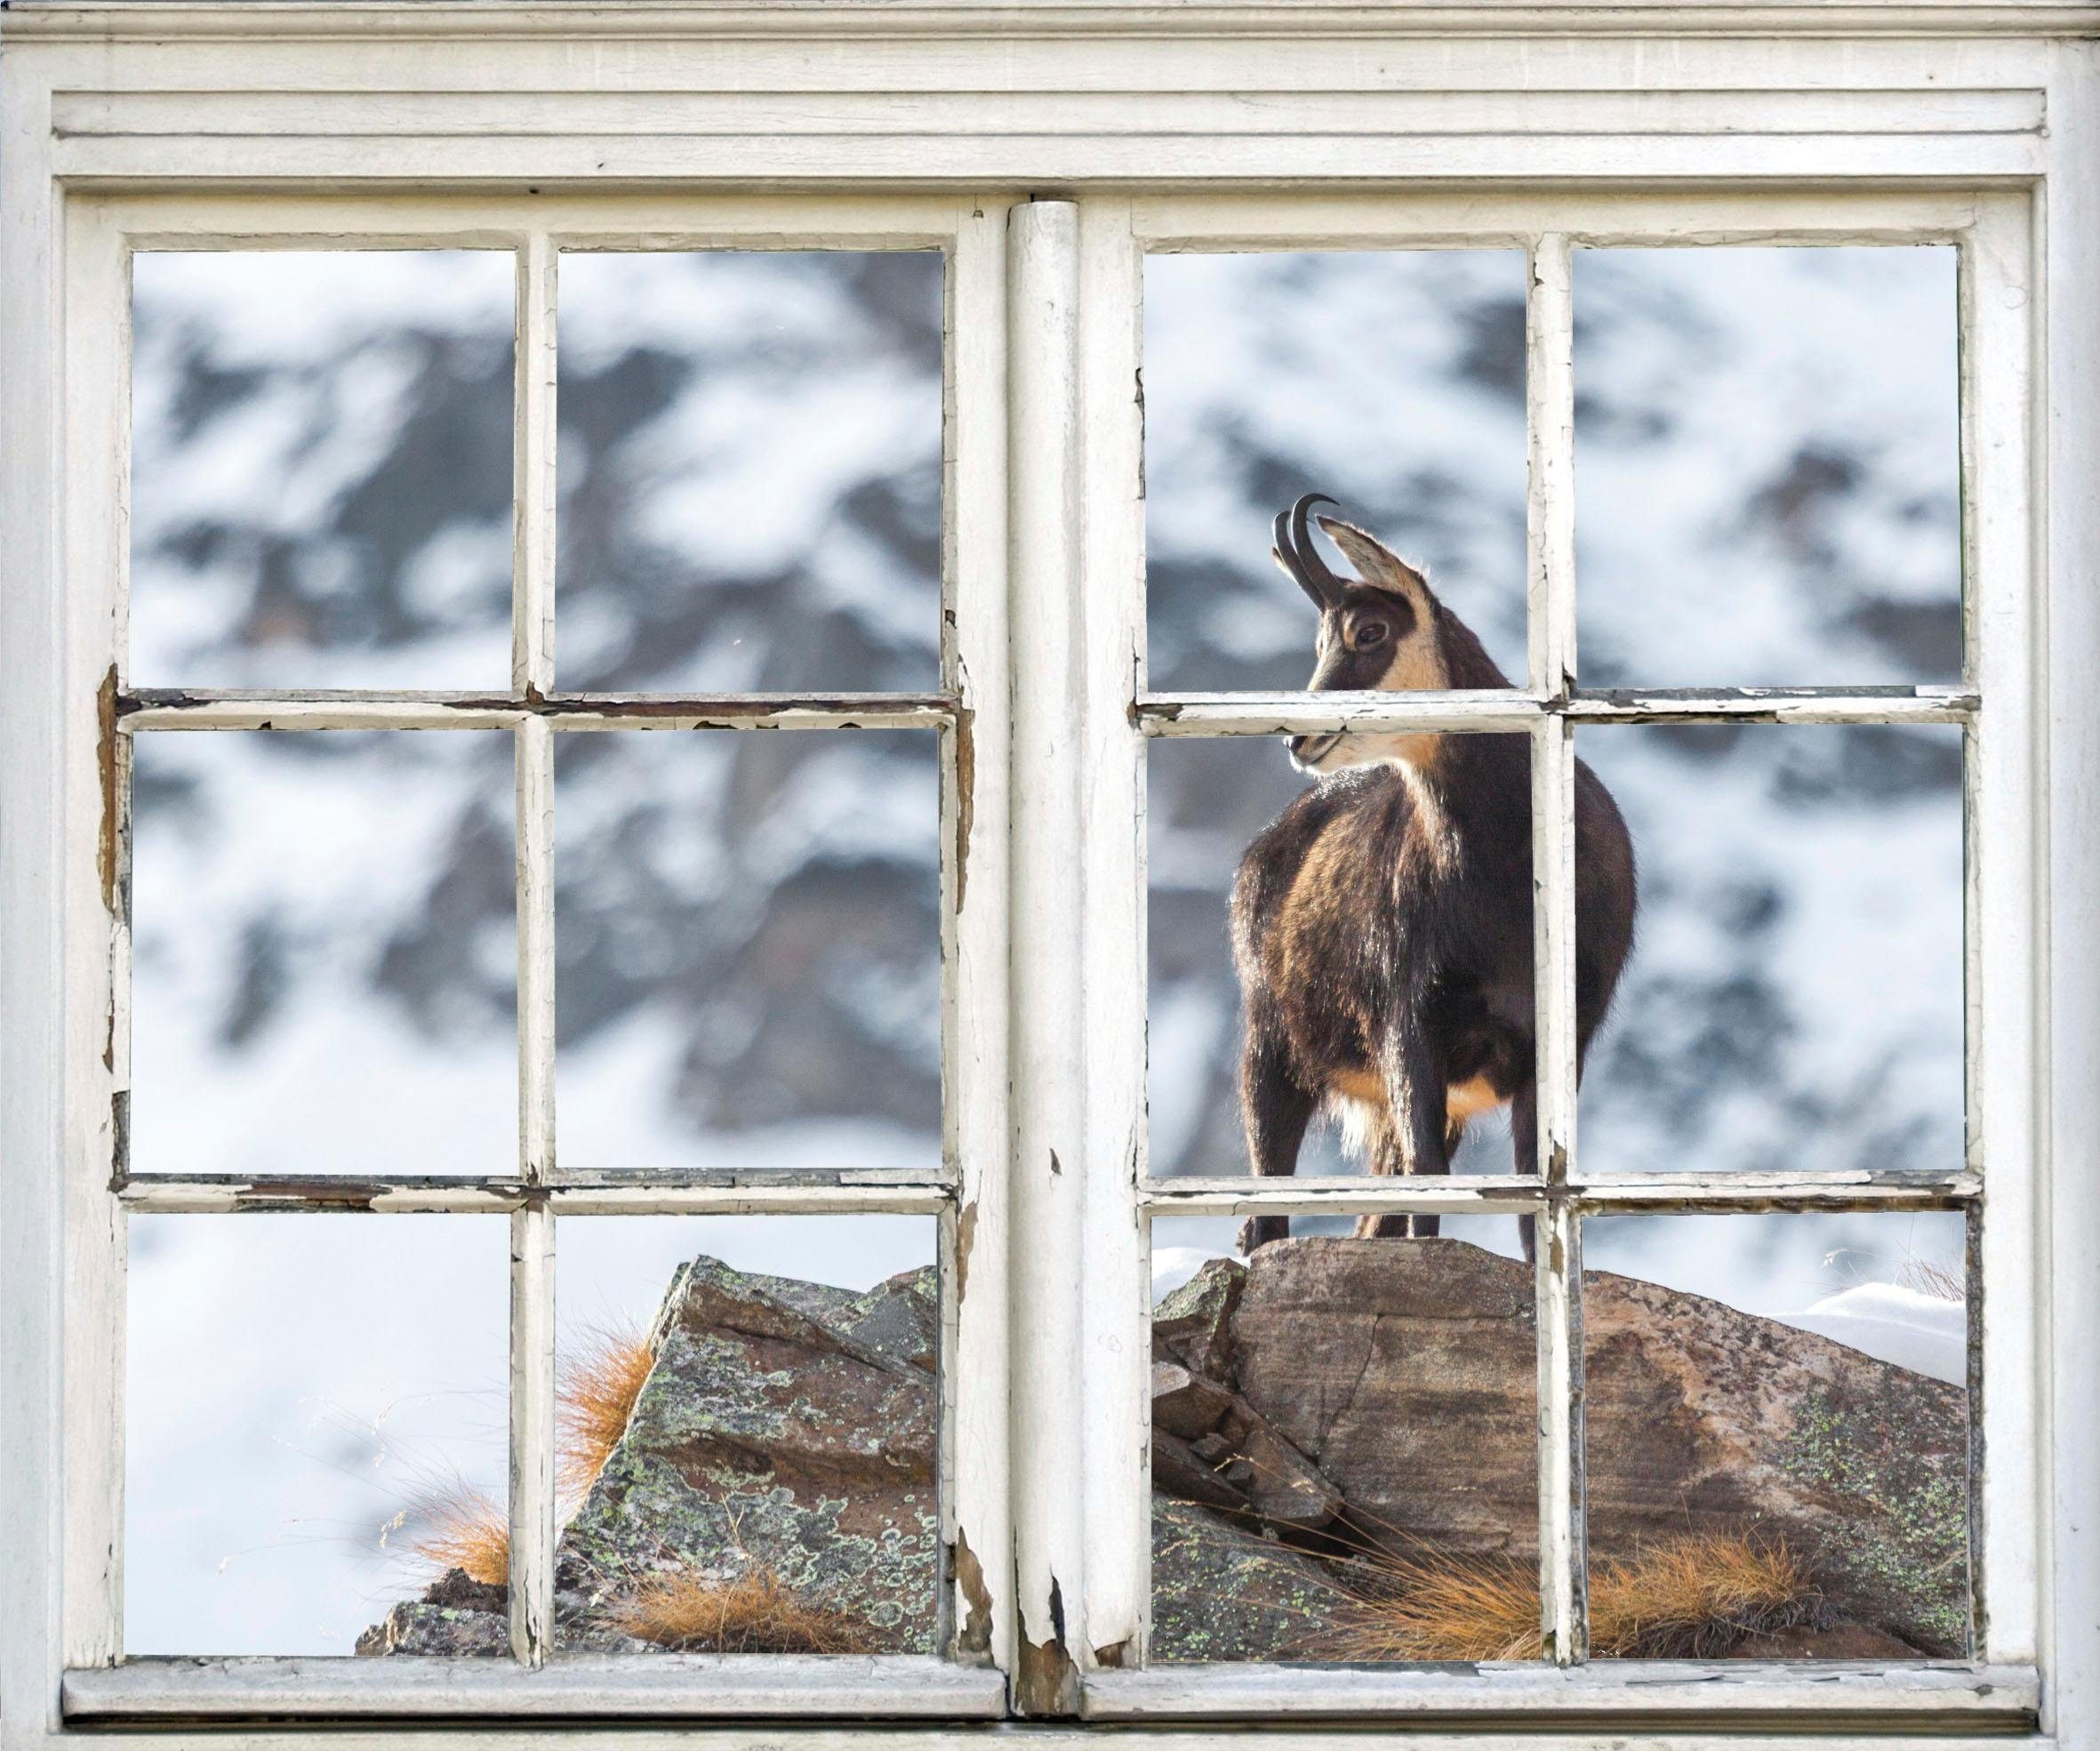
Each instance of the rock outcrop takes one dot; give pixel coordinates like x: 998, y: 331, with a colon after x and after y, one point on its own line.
x: 786, y: 1428
x: 1402, y: 1374
x: 1332, y: 1399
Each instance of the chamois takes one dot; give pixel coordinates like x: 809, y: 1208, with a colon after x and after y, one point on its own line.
x: 1382, y: 924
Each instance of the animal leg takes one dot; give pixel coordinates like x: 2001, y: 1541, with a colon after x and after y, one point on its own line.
x: 1412, y: 1140
x: 1275, y: 1112
x: 1385, y: 1158
x: 1524, y: 1136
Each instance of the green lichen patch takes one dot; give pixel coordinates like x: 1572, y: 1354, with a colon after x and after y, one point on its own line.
x: 1897, y: 1546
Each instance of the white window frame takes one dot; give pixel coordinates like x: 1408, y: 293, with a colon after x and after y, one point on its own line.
x: 132, y: 122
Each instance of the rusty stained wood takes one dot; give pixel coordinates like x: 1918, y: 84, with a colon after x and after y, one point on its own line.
x: 91, y: 930
x: 976, y: 1384
x: 181, y: 709
x: 1465, y: 1194
x: 1516, y: 710
x: 757, y: 1191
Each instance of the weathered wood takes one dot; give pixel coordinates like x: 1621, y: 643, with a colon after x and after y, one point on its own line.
x: 196, y: 710
x: 976, y: 937
x: 1550, y: 604
x: 1628, y: 1694
x: 784, y: 1687
x: 531, y: 1426
x: 1517, y: 711
x: 702, y: 1191
x: 2005, y: 832
x: 1618, y: 1195
x: 1108, y: 863
x: 1048, y: 1163
x: 95, y: 1076
x: 532, y: 1501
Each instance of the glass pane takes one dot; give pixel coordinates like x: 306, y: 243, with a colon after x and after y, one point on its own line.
x: 1778, y: 1437
x: 1341, y: 906
x: 750, y: 471
x: 1344, y: 1442
x: 1786, y: 873
x: 316, y: 1414
x: 1767, y: 467
x: 1393, y: 381
x: 325, y: 960
x: 749, y: 940
x: 321, y: 469
x: 747, y: 1411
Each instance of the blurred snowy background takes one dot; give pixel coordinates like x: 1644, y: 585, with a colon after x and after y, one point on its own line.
x: 1767, y: 493
x: 750, y: 467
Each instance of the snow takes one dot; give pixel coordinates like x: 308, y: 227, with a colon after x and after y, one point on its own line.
x: 1928, y: 1334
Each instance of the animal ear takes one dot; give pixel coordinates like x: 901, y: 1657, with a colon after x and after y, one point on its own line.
x: 1375, y: 563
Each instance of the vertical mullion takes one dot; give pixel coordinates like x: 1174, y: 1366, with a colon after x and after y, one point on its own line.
x: 1549, y: 394
x: 532, y: 1530
x: 976, y: 1524
x: 1047, y: 899
x: 1116, y: 1410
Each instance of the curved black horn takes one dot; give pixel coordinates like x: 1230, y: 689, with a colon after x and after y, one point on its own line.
x: 1295, y: 547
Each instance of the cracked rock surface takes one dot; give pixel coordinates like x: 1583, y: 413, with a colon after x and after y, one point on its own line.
x: 1404, y: 1374
x: 1328, y: 1396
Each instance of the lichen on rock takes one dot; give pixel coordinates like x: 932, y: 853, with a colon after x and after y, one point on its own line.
x: 1335, y: 1419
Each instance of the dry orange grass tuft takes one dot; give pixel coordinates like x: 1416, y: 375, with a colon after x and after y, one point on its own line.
x: 1933, y: 1280
x: 460, y: 1528
x: 464, y: 1529
x: 1698, y: 1594
x: 596, y: 1397
x: 755, y: 1613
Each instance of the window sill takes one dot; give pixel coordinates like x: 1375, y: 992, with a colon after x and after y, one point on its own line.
x: 1620, y: 1694
x: 741, y: 1686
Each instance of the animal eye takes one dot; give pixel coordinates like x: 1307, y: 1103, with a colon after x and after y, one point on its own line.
x: 1371, y: 632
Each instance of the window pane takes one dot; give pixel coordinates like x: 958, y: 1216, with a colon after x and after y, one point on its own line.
x: 1342, y: 911
x: 1344, y: 1442
x: 324, y: 958
x: 321, y: 469
x: 316, y: 1416
x: 1767, y: 467
x: 1393, y: 381
x: 1794, y: 997
x: 747, y: 1451
x: 1778, y: 1437
x: 750, y: 471
x: 749, y: 940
